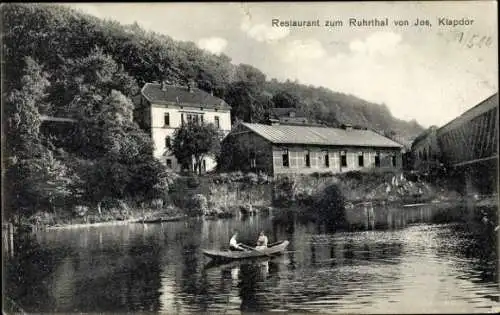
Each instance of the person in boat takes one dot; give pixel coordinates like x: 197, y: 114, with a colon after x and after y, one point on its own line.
x: 262, y: 241
x: 233, y: 243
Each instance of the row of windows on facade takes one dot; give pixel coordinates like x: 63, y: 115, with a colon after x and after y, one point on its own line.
x: 196, y: 118
x: 343, y: 159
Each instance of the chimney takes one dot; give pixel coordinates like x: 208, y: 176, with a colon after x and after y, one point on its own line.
x: 163, y: 85
x: 190, y: 85
x: 273, y: 122
x: 347, y: 127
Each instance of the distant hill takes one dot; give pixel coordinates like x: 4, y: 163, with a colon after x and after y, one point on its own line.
x: 54, y: 35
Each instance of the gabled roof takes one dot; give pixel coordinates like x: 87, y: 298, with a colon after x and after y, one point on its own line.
x: 182, y: 96
x: 293, y: 134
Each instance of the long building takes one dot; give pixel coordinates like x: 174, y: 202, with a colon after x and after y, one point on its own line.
x: 469, y: 138
x: 278, y: 149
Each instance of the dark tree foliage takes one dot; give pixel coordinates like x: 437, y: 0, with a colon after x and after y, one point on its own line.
x: 193, y: 142
x: 248, y: 101
x: 285, y: 100
x: 237, y: 154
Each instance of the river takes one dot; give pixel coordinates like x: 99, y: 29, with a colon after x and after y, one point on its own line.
x: 415, y: 266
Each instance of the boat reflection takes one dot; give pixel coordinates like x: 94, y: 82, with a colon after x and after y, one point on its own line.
x: 246, y: 282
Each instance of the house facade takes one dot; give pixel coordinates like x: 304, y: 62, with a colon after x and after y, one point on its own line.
x: 163, y: 108
x: 298, y: 149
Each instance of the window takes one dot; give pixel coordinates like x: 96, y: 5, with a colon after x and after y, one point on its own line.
x: 361, y: 161
x: 377, y: 159
x: 308, y: 158
x: 252, y: 160
x: 394, y: 160
x: 343, y: 159
x: 182, y: 119
x: 327, y: 158
x: 194, y: 118
x: 169, y: 163
x: 167, y: 142
x: 166, y: 119
x: 285, y: 156
x: 217, y: 122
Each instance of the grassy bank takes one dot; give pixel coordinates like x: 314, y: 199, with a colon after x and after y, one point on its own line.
x: 360, y: 187
x: 320, y: 196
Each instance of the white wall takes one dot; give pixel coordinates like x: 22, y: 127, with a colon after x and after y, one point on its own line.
x: 159, y: 131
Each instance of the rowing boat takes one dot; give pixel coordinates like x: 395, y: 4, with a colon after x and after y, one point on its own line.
x: 274, y: 250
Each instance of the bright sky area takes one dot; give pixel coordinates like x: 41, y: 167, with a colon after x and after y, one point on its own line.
x: 427, y: 73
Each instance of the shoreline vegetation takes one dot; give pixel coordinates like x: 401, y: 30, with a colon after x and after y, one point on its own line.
x: 226, y: 195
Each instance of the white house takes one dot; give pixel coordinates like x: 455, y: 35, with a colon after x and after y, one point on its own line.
x: 164, y: 108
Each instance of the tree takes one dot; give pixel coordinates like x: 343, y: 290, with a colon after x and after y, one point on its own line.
x: 285, y: 100
x: 241, y: 153
x: 35, y: 177
x: 248, y: 101
x: 193, y: 142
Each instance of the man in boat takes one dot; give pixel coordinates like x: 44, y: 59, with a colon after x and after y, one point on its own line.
x: 261, y: 241
x: 234, y: 245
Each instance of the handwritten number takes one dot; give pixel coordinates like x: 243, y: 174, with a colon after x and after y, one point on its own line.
x: 474, y: 40
x: 488, y: 42
x: 471, y: 41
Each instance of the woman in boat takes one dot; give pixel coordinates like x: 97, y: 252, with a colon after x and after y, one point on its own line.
x: 261, y: 241
x: 233, y: 243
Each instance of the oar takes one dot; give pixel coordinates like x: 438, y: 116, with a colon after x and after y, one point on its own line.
x: 254, y: 249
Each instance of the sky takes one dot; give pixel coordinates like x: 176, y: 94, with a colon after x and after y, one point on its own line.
x: 428, y: 73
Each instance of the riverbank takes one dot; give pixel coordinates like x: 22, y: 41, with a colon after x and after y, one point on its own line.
x: 229, y: 195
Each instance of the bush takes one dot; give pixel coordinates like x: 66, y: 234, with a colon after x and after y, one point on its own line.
x: 236, y: 176
x: 263, y: 178
x: 80, y: 211
x: 193, y: 182
x: 198, y: 205
x: 330, y: 205
x: 251, y: 178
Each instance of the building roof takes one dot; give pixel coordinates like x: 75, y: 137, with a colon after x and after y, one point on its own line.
x: 423, y: 135
x: 181, y: 95
x: 57, y: 119
x: 281, y: 112
x: 293, y: 134
x: 486, y: 105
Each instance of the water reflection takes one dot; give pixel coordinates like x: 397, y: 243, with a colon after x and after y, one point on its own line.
x: 161, y: 268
